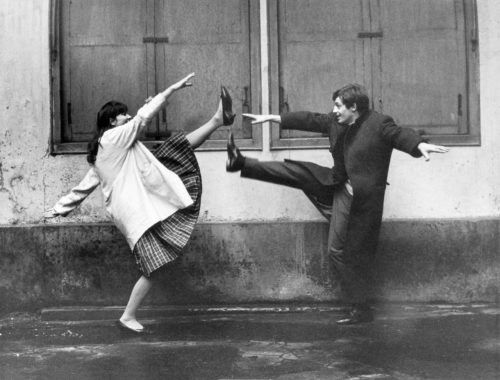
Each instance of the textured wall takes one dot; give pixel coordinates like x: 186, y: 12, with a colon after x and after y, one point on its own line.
x: 454, y: 261
x: 53, y: 263
x: 31, y: 181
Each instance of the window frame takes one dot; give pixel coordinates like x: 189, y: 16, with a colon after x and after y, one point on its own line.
x: 472, y: 131
x: 59, y: 147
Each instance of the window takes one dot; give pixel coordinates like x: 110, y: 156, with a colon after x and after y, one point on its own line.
x: 417, y: 59
x: 128, y: 50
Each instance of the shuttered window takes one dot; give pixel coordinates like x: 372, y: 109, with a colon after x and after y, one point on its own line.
x: 128, y: 50
x: 417, y: 59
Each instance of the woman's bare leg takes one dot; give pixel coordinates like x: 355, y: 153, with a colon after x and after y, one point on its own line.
x: 198, y: 136
x: 140, y: 290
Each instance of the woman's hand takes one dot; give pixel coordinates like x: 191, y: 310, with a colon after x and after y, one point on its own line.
x: 50, y: 213
x: 154, y: 105
x: 182, y: 83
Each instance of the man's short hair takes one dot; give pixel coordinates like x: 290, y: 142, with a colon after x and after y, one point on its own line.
x: 353, y: 94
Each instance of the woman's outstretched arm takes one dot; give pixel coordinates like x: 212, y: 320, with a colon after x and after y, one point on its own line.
x: 127, y: 134
x: 151, y: 108
x: 76, y: 195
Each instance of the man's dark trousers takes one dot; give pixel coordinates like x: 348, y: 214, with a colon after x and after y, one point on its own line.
x: 332, y: 200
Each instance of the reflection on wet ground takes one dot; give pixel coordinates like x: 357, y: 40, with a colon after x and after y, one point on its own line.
x: 405, y: 342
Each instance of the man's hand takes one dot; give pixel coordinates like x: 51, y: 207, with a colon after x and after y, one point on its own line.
x: 426, y: 149
x: 182, y: 83
x: 259, y: 119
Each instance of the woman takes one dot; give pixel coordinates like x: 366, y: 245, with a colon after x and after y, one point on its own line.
x: 153, y: 198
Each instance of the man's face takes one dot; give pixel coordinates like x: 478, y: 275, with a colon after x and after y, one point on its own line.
x: 344, y: 115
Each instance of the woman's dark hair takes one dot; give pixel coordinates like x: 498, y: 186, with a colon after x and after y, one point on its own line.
x: 107, y: 112
x: 353, y: 94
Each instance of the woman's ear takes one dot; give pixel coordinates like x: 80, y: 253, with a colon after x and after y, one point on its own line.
x: 112, y: 121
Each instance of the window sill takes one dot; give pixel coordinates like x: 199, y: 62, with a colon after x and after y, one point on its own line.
x: 209, y: 145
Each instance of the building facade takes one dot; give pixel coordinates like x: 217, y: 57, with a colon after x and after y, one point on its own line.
x: 432, y: 65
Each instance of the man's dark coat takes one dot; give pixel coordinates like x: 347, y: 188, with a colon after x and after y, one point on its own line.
x: 361, y: 153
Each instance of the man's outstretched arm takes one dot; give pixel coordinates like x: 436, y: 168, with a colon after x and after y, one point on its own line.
x: 259, y: 119
x: 426, y: 149
x: 300, y: 120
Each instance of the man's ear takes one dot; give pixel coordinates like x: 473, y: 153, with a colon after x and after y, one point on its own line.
x: 354, y: 107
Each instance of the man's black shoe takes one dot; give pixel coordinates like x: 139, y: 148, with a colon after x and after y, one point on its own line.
x: 235, y: 160
x: 357, y: 315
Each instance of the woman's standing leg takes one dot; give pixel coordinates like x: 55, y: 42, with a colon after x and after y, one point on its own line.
x: 140, y: 290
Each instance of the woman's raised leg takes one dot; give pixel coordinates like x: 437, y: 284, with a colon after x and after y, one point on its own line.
x: 198, y: 136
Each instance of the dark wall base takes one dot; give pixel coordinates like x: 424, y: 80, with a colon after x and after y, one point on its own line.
x: 418, y: 260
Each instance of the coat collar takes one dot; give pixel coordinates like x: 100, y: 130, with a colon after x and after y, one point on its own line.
x: 361, y: 118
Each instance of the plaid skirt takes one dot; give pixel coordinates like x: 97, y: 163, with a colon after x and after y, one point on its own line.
x: 163, y: 242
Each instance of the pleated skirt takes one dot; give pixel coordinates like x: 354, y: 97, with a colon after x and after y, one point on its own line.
x: 164, y: 242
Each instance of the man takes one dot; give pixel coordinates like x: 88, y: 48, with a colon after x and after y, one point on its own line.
x: 351, y: 194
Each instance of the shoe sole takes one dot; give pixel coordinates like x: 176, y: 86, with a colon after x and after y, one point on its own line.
x: 122, y: 326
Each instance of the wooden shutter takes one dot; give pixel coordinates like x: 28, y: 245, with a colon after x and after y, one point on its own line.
x: 212, y: 38
x: 128, y: 50
x: 104, y: 59
x: 417, y: 59
x: 423, y: 66
x: 318, y: 50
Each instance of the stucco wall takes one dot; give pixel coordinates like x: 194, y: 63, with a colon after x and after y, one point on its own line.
x: 463, y: 183
x: 455, y: 259
x: 90, y: 264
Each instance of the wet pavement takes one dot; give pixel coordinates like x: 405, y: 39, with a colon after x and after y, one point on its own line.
x: 404, y: 342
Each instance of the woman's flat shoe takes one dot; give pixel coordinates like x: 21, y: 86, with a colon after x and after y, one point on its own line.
x: 227, y: 107
x: 124, y: 327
